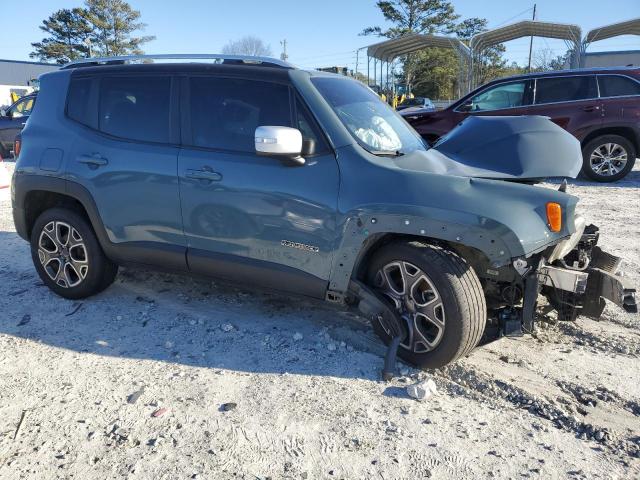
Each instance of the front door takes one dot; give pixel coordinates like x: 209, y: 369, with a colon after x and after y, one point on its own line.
x: 248, y: 218
x: 504, y: 99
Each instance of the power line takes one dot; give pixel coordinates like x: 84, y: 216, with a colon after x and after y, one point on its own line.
x: 514, y: 17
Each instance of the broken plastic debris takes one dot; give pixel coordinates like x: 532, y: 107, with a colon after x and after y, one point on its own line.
x: 422, y: 390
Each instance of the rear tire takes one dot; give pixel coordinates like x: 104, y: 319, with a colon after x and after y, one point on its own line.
x: 444, y: 310
x: 67, y: 255
x: 608, y: 158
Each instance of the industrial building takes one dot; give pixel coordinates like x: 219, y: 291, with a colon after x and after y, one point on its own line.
x: 20, y: 73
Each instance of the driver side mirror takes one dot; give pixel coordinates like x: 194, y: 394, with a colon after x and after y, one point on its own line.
x: 5, y: 113
x: 466, y: 106
x: 283, y: 142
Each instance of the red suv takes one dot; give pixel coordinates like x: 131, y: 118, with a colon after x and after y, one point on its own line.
x: 600, y: 107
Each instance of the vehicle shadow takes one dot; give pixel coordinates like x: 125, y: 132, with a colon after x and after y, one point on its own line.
x: 177, y: 319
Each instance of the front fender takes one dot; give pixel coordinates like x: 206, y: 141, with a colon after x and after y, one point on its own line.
x: 503, y: 220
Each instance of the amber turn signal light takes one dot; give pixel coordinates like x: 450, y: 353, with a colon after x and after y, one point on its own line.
x: 16, y: 148
x: 554, y: 216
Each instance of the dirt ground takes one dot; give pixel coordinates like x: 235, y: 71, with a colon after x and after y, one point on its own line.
x: 80, y: 382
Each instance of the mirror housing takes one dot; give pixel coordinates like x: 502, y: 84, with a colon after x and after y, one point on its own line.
x: 467, y: 106
x: 4, y: 113
x: 276, y: 141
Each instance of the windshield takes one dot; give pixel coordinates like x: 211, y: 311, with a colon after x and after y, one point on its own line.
x: 376, y: 126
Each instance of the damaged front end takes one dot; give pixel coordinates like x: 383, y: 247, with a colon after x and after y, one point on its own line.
x: 575, y: 276
x: 579, y: 282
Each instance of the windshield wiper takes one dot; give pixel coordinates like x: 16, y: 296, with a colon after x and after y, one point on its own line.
x: 387, y: 153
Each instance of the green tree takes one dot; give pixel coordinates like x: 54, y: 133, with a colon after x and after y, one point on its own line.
x: 114, y: 22
x: 414, y: 16
x: 67, y: 31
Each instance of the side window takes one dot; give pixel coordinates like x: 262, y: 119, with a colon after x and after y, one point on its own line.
x: 225, y: 112
x: 136, y: 108
x: 617, y: 86
x: 309, y: 129
x: 565, y: 89
x: 505, y: 95
x: 22, y: 108
x: 78, y: 101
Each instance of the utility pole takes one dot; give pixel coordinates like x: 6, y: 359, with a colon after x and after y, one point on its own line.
x: 531, y: 40
x: 87, y: 42
x: 283, y: 55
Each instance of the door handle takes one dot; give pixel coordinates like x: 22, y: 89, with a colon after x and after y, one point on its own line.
x: 94, y: 160
x: 203, y: 175
x: 591, y: 108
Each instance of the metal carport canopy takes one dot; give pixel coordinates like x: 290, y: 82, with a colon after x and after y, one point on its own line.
x: 629, y: 27
x: 389, y: 50
x: 526, y: 28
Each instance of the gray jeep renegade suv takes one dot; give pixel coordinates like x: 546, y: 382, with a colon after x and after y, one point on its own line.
x: 253, y: 171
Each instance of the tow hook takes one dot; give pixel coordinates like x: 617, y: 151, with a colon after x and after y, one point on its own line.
x: 374, y: 307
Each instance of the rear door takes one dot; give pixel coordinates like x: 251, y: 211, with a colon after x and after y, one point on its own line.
x: 248, y: 218
x: 126, y: 155
x: 620, y: 100
x: 570, y: 101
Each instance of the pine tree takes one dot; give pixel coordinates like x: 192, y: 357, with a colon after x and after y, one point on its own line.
x: 114, y: 22
x: 67, y: 31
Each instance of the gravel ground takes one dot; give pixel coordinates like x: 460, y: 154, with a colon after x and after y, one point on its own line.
x: 167, y: 377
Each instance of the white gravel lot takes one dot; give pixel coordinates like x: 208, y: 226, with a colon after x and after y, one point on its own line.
x: 562, y: 404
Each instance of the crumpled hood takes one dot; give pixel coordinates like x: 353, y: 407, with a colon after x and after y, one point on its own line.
x: 524, y: 147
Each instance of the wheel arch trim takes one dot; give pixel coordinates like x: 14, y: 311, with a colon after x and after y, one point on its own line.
x: 363, y: 232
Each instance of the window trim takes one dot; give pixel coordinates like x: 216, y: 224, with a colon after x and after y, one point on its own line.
x: 504, y: 82
x: 616, y: 75
x: 94, y: 99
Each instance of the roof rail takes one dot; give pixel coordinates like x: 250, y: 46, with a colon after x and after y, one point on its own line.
x: 120, y: 60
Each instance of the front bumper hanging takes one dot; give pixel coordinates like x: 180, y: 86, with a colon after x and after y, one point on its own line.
x: 581, y: 282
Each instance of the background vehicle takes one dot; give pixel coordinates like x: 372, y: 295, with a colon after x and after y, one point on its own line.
x: 12, y: 120
x: 303, y: 182
x: 600, y: 107
x: 417, y: 104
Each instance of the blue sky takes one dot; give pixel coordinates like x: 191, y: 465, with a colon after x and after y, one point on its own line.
x: 319, y: 33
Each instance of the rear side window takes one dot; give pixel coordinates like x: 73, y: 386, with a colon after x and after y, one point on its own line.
x: 565, y: 89
x: 225, y: 112
x: 617, y: 86
x: 136, y: 108
x: 78, y: 108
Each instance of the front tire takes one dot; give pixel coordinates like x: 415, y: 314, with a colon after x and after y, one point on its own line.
x: 439, y: 298
x: 67, y: 255
x: 608, y: 158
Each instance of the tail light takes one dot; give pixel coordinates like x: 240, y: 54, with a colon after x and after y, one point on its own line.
x: 16, y: 147
x: 554, y: 216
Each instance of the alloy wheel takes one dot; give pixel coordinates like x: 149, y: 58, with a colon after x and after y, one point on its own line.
x: 608, y: 159
x: 417, y: 301
x: 63, y: 254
